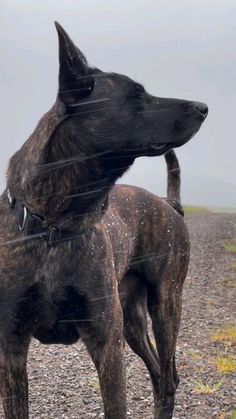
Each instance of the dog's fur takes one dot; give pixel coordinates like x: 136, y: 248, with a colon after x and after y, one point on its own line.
x: 132, y: 248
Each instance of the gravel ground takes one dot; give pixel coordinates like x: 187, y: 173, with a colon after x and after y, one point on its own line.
x: 63, y: 382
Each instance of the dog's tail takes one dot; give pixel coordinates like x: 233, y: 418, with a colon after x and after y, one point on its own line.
x: 173, y: 181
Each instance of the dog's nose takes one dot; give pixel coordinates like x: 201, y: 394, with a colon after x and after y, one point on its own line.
x: 202, y: 108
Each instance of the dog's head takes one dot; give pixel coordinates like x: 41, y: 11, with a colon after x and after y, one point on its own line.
x: 99, y: 124
x: 116, y: 113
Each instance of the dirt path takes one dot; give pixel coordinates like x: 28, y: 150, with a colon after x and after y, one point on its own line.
x: 63, y: 382
x: 209, y: 303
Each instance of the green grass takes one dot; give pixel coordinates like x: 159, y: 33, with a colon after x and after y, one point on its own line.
x: 207, y: 388
x: 232, y: 266
x: 195, y: 210
x: 230, y: 282
x: 225, y: 364
x: 230, y: 247
x: 93, y: 383
x: 227, y: 335
x: 222, y: 415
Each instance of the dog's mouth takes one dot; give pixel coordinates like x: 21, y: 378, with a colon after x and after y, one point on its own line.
x: 153, y: 149
x: 158, y: 149
x: 161, y: 148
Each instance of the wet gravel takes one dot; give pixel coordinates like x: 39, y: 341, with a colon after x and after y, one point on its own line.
x: 63, y: 382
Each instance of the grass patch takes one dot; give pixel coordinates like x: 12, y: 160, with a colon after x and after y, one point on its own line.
x: 230, y: 282
x: 207, y: 388
x: 221, y: 416
x: 227, y: 335
x: 225, y: 415
x: 195, y: 210
x: 232, y: 267
x: 195, y: 355
x: 230, y: 247
x: 225, y: 365
x: 93, y: 383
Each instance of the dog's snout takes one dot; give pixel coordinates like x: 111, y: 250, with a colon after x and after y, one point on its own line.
x: 202, y: 108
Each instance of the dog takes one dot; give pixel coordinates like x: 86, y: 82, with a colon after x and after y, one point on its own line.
x: 82, y: 258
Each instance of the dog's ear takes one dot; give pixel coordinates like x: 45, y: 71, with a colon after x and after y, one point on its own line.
x: 75, y: 83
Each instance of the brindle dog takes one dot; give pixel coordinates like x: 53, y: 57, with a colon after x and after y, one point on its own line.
x: 81, y: 258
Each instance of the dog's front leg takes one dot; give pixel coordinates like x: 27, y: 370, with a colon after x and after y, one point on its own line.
x: 14, y: 382
x: 104, y: 341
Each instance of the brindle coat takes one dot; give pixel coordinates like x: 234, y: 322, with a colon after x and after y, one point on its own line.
x: 131, y: 249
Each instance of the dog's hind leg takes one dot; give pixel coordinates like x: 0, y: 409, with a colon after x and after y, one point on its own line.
x: 133, y: 295
x: 165, y: 332
x: 13, y: 379
x: 164, y: 306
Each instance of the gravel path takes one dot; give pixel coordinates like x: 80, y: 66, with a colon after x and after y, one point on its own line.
x: 63, y: 381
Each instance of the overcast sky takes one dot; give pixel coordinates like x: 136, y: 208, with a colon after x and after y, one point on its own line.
x: 176, y: 48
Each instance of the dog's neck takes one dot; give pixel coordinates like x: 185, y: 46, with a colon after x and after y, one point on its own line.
x: 64, y: 179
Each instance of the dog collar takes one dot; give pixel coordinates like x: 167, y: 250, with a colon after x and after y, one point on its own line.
x: 36, y: 226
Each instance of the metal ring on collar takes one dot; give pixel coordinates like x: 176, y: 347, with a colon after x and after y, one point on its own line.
x: 22, y: 226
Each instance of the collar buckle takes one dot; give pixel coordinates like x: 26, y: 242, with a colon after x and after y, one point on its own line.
x: 54, y: 235
x: 25, y: 213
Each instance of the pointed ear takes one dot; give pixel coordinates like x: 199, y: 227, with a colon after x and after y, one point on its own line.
x: 73, y: 69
